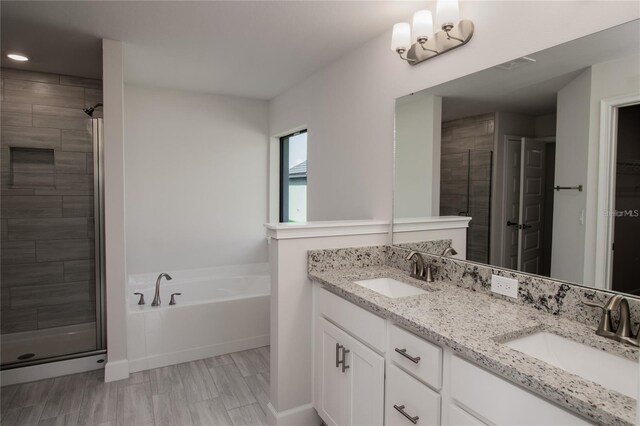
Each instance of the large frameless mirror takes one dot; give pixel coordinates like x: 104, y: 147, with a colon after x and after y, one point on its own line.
x: 542, y: 153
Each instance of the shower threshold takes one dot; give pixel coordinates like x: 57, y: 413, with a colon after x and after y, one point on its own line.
x: 29, y: 346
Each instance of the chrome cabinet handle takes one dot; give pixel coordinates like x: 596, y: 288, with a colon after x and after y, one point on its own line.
x: 338, y: 347
x: 141, y: 301
x: 173, y: 298
x: 404, y: 353
x: 400, y: 409
x: 344, y: 359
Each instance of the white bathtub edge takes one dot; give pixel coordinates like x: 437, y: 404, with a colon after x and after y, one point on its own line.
x: 193, y: 354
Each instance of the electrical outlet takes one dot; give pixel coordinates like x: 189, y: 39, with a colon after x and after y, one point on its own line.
x: 505, y: 286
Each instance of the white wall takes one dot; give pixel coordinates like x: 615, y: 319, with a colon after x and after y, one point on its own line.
x: 348, y: 106
x: 572, y: 152
x: 114, y: 213
x: 196, y: 187
x: 417, y: 153
x: 545, y: 125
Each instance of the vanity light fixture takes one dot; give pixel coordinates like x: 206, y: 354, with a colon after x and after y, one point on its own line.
x: 17, y: 57
x: 425, y: 44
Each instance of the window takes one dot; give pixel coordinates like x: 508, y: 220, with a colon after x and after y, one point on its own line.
x: 293, y: 177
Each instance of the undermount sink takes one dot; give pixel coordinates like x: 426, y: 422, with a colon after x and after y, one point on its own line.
x: 390, y: 287
x: 611, y: 371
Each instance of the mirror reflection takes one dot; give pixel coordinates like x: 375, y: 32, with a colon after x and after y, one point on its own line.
x: 541, y: 152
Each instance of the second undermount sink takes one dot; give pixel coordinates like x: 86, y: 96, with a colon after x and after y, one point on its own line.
x: 611, y: 371
x: 390, y: 287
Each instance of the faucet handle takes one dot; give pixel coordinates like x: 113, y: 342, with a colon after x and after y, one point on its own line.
x: 173, y: 298
x: 594, y: 305
x: 141, y: 301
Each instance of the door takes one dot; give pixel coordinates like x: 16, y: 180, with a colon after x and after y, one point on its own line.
x: 512, y: 202
x: 626, y: 224
x: 532, y: 175
x: 333, y: 386
x: 365, y: 388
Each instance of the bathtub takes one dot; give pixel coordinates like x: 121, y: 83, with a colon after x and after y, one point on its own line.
x: 213, y: 316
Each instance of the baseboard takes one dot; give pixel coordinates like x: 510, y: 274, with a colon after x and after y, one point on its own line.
x: 116, y: 370
x: 51, y: 369
x: 304, y: 415
x: 192, y: 354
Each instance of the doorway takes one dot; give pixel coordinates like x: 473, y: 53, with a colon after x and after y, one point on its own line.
x: 627, y: 201
x: 529, y: 177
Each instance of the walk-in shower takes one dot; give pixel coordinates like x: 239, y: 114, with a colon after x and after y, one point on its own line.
x: 52, y: 219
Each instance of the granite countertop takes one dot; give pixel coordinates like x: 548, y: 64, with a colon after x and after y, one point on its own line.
x: 472, y: 325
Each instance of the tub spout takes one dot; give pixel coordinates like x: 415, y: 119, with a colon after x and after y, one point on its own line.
x: 156, y: 298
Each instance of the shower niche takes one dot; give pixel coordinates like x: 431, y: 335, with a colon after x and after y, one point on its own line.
x: 32, y: 167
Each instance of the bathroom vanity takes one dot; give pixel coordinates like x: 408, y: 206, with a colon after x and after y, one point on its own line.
x: 443, y: 356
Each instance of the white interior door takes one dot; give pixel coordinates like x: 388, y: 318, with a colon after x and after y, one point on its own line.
x: 511, y: 202
x: 531, y: 213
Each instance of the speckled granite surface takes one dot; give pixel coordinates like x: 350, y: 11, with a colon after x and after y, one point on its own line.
x: 466, y: 318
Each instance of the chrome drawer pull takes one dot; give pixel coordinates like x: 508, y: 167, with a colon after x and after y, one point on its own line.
x: 404, y: 353
x: 400, y: 409
x: 338, y: 347
x: 344, y: 359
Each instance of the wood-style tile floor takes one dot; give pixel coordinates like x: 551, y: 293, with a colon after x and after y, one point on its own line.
x: 224, y: 390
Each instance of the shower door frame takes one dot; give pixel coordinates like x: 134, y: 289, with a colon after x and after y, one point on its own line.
x: 97, y: 129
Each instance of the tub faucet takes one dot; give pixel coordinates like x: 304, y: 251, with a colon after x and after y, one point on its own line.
x: 156, y: 298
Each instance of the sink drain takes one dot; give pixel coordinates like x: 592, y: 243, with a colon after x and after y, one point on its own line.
x: 26, y: 356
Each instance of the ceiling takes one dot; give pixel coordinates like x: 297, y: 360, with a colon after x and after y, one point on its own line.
x: 254, y: 49
x: 531, y: 89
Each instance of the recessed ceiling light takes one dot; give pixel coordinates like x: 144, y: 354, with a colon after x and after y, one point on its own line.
x: 17, y: 57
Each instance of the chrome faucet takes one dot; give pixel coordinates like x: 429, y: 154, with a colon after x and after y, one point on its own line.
x: 418, y: 269
x: 449, y: 251
x: 624, y: 333
x: 156, y: 298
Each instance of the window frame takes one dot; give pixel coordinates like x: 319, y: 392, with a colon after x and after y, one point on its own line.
x: 283, y: 208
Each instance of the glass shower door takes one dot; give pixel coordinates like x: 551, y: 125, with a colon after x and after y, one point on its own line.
x: 465, y: 190
x: 52, y: 269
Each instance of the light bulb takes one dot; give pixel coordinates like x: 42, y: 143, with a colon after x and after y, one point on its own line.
x: 447, y: 13
x: 422, y: 25
x: 401, y: 37
x: 17, y: 57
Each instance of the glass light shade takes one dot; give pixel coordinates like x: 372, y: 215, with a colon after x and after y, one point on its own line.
x: 447, y: 12
x: 422, y: 25
x: 401, y: 37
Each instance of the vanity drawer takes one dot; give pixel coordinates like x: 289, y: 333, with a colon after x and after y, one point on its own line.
x: 362, y: 324
x: 502, y: 402
x: 405, y: 393
x: 404, y: 350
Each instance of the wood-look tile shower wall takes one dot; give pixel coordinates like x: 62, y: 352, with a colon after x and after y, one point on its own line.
x: 47, y: 200
x: 465, y: 177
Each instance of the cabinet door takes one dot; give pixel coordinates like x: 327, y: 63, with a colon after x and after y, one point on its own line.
x: 365, y: 388
x: 333, y: 382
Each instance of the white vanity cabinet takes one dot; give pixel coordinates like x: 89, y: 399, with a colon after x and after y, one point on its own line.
x: 352, y: 379
x: 349, y: 380
x: 369, y: 371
